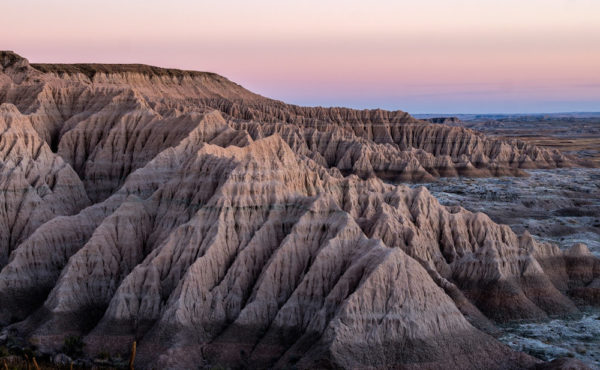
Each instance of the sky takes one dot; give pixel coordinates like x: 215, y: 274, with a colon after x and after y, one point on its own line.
x: 425, y: 56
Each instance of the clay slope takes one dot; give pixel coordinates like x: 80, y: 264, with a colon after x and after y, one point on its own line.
x: 219, y: 228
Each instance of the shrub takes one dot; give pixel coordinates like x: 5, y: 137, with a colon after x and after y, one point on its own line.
x: 73, y: 346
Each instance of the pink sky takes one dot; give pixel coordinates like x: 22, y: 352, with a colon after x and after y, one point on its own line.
x: 426, y: 56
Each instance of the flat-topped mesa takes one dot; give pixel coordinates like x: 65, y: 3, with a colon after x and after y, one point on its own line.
x: 91, y: 69
x: 10, y: 58
x: 447, y: 120
x: 139, y: 76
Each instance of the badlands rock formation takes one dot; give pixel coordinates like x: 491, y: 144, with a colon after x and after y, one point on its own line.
x: 216, y: 227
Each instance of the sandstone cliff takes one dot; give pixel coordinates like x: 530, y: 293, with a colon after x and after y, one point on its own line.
x: 218, y: 227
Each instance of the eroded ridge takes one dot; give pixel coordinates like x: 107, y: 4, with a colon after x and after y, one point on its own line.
x: 218, y: 227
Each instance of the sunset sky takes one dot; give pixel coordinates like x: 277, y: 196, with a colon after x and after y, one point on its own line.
x: 426, y: 56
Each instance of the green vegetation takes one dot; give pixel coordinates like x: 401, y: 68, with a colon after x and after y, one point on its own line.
x: 73, y: 346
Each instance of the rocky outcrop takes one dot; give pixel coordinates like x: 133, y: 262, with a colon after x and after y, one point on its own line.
x: 220, y: 228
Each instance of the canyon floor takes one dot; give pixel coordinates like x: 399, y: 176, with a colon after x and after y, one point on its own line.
x: 561, y: 206
x: 217, y: 228
x: 575, y: 337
